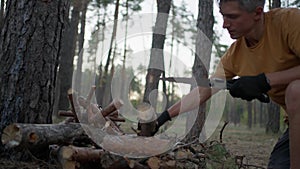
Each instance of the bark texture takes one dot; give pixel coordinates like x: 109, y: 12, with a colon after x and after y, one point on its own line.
x: 205, y: 22
x: 30, y: 46
x: 66, y: 66
x: 156, y: 65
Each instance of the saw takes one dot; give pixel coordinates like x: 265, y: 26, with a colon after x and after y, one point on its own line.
x: 216, y: 83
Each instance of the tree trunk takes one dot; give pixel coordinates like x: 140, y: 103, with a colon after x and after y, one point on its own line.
x: 273, y: 123
x: 78, y: 77
x: 156, y: 65
x: 1, y: 13
x: 30, y: 45
x: 104, y: 80
x: 263, y: 114
x: 205, y: 24
x: 254, y: 113
x: 67, y: 56
x: 249, y: 108
x: 276, y: 4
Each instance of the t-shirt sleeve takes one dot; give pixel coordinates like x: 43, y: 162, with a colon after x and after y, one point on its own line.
x: 224, y: 68
x: 292, y: 31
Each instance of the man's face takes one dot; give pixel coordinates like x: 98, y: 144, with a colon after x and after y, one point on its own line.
x: 236, y: 20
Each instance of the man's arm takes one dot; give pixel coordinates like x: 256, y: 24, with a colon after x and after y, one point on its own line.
x: 284, y: 77
x: 196, y: 97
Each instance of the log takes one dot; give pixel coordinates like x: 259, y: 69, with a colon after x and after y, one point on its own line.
x: 70, y: 156
x: 133, y: 146
x: 80, y: 154
x: 96, y: 119
x: 99, y: 118
x: 41, y: 135
x: 38, y: 136
x: 112, y: 107
x: 66, y: 113
x: 74, y: 104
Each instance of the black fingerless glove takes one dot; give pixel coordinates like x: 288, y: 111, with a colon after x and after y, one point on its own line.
x: 250, y: 87
x: 164, y: 117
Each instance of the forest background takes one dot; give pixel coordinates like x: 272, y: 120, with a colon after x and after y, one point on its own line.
x: 48, y: 47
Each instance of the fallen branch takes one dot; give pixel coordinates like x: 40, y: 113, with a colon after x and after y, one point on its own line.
x: 66, y: 113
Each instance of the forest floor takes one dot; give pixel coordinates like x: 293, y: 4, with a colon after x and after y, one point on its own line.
x: 254, y: 144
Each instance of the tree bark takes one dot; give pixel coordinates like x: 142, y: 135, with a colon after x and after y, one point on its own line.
x: 249, y: 108
x: 156, y: 65
x: 1, y: 13
x: 67, y: 56
x: 276, y: 4
x: 200, y: 68
x: 273, y: 123
x: 104, y: 81
x: 78, y: 76
x: 30, y: 44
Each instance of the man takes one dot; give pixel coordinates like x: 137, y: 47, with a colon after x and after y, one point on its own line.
x: 266, y: 57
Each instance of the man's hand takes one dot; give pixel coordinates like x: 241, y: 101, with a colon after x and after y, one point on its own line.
x: 250, y: 87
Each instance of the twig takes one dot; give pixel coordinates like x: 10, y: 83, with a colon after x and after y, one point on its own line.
x: 221, y: 132
x: 185, y: 145
x: 72, y: 99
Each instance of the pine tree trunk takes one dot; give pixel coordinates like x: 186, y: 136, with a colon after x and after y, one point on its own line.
x: 30, y: 45
x: 205, y: 24
x: 104, y: 80
x: 67, y: 56
x: 1, y: 13
x: 273, y: 123
x: 78, y: 76
x: 249, y: 108
x: 156, y: 65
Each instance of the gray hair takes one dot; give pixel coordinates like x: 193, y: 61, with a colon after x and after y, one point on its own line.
x: 248, y: 5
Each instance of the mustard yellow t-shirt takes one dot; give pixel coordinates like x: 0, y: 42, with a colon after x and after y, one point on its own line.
x: 279, y: 49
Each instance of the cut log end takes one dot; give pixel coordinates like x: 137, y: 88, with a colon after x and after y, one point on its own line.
x: 11, y: 135
x: 118, y: 103
x: 33, y: 137
x: 67, y: 153
x: 70, y: 91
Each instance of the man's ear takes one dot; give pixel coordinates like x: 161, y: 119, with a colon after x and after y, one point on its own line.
x: 259, y: 11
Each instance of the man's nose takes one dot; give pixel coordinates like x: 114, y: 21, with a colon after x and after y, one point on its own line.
x: 226, y: 23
